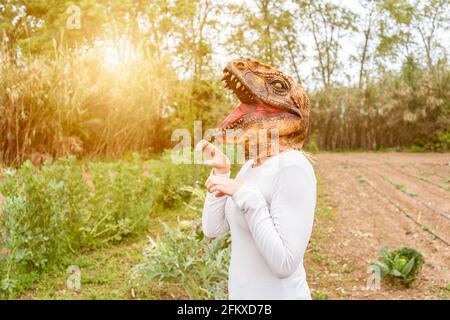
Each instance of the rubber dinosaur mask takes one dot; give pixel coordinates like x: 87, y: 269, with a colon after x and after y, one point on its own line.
x: 270, y: 101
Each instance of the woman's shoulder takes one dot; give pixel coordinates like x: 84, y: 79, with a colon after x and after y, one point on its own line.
x: 295, y: 168
x: 286, y: 164
x: 291, y: 158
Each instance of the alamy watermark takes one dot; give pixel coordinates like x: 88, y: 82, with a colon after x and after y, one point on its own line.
x: 374, y: 280
x: 74, y: 19
x: 238, y: 145
x: 73, y: 278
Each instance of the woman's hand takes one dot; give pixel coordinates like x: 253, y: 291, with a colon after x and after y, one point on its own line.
x: 222, y: 186
x: 214, y: 157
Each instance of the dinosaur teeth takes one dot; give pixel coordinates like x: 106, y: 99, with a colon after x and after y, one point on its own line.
x: 232, y: 77
x: 238, y: 85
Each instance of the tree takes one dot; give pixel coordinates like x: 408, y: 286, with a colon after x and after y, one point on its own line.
x: 431, y: 17
x: 367, y: 23
x: 196, y: 24
x: 266, y: 30
x: 328, y: 24
x: 395, y: 39
x: 35, y: 26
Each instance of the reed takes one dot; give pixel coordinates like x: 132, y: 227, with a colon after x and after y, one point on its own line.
x: 74, y: 103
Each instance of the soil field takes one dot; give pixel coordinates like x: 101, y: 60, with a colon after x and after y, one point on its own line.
x: 392, y: 199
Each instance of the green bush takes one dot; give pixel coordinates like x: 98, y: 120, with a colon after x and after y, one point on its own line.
x: 402, y: 265
x: 441, y: 142
x: 169, y: 179
x: 185, y: 257
x: 53, y: 212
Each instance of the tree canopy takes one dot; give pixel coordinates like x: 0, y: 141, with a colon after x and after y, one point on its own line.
x: 318, y: 41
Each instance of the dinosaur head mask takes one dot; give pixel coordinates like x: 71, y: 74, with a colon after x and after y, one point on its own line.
x: 270, y: 101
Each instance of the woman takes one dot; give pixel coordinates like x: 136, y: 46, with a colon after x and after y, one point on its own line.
x: 270, y: 217
x: 269, y: 207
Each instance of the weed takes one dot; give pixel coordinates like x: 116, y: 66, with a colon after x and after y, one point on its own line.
x: 184, y: 256
x: 361, y: 178
x: 401, y: 187
x: 319, y: 295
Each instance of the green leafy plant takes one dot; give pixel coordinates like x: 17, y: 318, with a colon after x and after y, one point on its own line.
x: 402, y: 265
x: 51, y: 213
x: 319, y: 295
x: 170, y: 180
x: 185, y: 257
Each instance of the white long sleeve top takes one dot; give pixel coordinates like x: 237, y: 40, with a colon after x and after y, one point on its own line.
x: 270, y: 219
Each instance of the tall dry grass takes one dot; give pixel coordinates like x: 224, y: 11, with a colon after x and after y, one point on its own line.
x: 74, y: 103
x: 391, y: 112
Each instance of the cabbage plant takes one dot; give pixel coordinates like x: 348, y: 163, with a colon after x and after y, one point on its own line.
x: 402, y: 265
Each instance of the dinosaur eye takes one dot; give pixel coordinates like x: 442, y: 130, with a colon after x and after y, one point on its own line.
x: 278, y: 85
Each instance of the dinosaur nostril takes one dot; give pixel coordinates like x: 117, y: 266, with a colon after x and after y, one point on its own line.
x: 239, y: 65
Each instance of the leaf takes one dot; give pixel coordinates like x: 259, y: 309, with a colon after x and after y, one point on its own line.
x: 396, y: 273
x: 385, y: 253
x: 408, y: 267
x: 383, y: 267
x: 400, y: 261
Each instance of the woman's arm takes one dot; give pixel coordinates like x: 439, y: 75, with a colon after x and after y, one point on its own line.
x: 214, y: 223
x: 281, y: 231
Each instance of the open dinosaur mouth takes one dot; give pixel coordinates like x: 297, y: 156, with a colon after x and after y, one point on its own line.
x: 242, y: 92
x: 248, y: 112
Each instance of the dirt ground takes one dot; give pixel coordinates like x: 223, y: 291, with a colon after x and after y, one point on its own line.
x: 392, y: 199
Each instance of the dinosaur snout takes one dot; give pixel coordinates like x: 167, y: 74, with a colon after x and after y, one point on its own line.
x: 240, y: 65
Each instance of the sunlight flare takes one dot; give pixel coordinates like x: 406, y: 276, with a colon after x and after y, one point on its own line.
x: 116, y: 53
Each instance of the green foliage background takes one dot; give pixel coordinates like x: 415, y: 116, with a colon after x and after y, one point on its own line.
x: 52, y: 213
